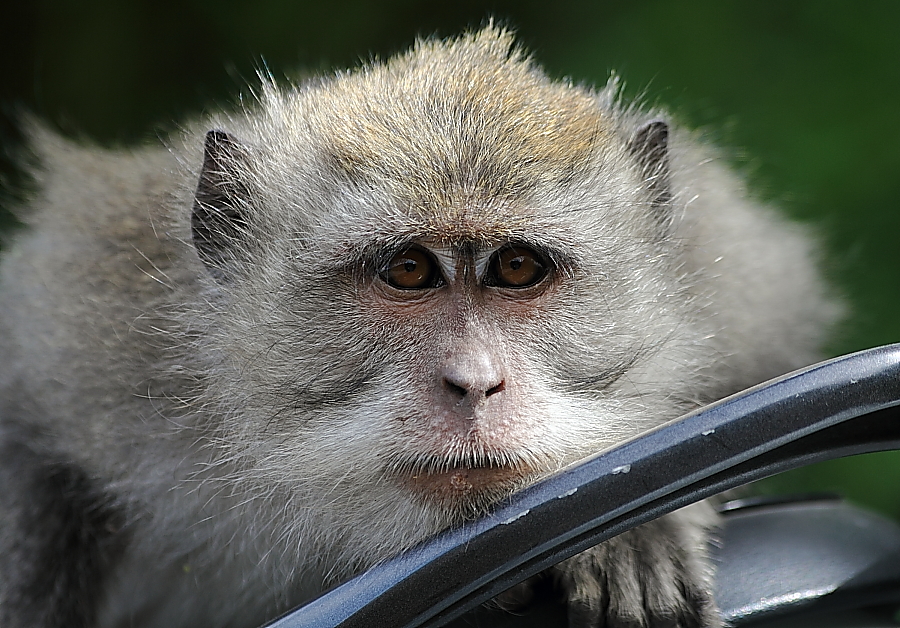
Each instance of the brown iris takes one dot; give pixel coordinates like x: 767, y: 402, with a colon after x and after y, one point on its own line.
x: 412, y: 269
x: 516, y: 267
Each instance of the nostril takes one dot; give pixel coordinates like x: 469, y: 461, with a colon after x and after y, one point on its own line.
x: 463, y: 391
x: 457, y: 390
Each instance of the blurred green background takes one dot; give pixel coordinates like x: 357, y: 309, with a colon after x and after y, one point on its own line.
x: 803, y: 95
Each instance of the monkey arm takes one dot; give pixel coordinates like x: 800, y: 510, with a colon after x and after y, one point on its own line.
x: 840, y: 407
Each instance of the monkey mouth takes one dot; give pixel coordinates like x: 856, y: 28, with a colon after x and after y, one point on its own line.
x: 475, y: 479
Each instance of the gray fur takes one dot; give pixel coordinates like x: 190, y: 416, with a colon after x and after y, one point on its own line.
x: 232, y: 429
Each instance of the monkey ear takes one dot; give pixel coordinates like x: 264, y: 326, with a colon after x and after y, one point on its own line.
x: 650, y: 145
x: 217, y: 221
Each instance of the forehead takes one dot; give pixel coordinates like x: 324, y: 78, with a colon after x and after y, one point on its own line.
x: 461, y: 134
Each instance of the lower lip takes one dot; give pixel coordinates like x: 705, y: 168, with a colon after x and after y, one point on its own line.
x: 460, y: 482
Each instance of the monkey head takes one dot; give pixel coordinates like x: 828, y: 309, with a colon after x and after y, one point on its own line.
x: 443, y: 277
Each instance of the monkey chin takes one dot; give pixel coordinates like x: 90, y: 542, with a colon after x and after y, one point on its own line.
x: 464, y: 491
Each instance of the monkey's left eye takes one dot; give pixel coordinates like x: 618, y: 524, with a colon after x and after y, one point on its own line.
x: 516, y: 267
x: 412, y: 269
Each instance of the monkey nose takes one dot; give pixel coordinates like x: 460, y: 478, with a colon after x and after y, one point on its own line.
x: 472, y: 376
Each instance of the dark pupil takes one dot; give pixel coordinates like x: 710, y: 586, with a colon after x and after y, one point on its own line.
x: 409, y: 265
x: 516, y: 263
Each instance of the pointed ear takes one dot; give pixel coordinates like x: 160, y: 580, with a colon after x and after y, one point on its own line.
x: 217, y: 221
x: 650, y: 145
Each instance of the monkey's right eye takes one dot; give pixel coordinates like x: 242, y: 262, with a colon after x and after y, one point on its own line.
x: 412, y: 269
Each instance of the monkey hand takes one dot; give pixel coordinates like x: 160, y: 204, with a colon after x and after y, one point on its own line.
x: 654, y: 576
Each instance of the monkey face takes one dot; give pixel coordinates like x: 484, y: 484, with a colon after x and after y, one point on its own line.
x: 489, y: 386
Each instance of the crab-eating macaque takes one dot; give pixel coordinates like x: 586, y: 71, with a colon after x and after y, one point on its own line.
x: 305, y: 336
